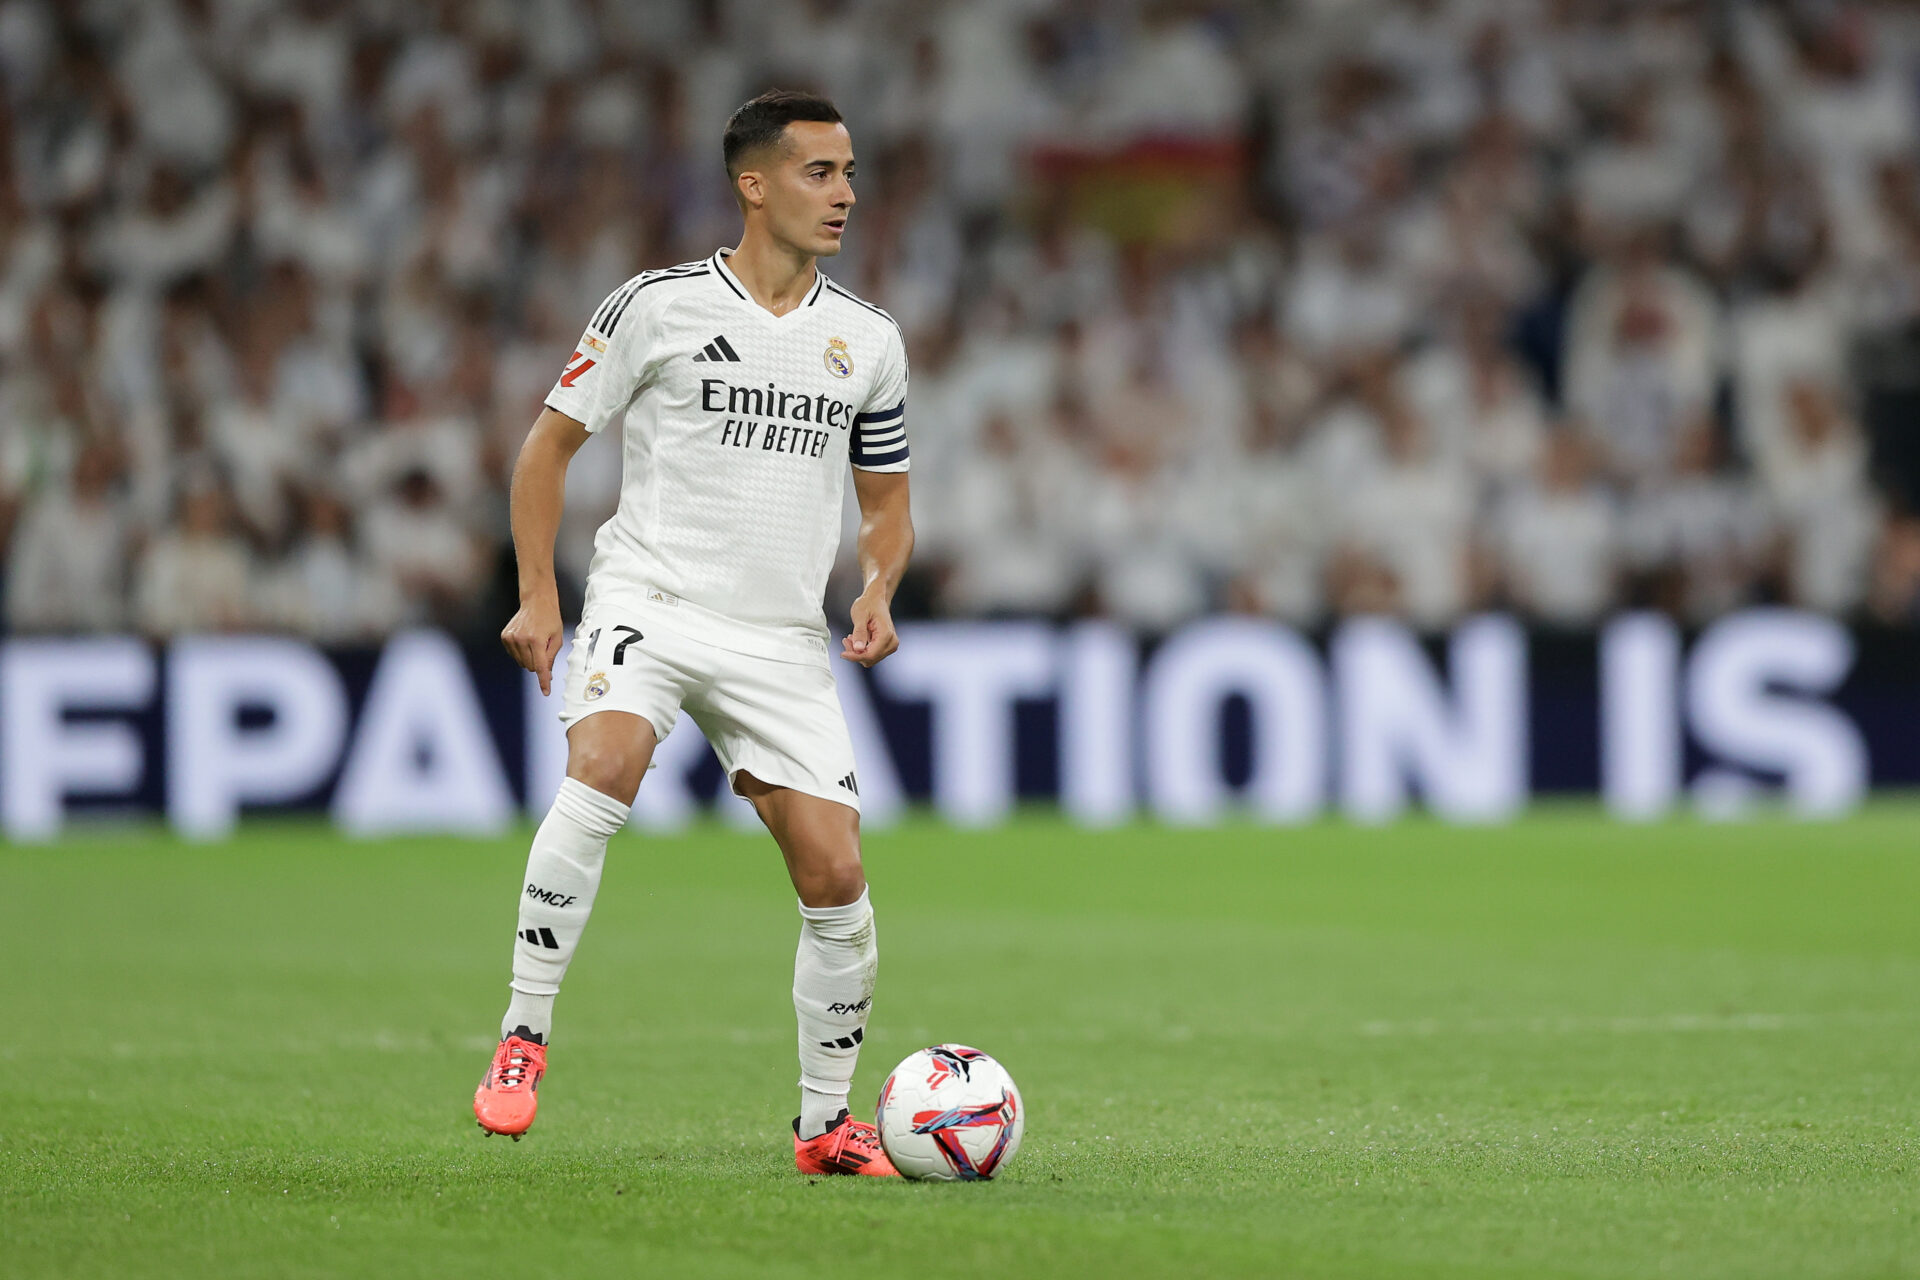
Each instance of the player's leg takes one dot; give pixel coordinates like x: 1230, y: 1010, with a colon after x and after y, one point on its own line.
x: 834, y: 969
x: 780, y: 734
x: 619, y: 701
x: 607, y: 755
x: 838, y: 958
x: 820, y: 840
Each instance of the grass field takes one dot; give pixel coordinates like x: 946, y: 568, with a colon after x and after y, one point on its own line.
x: 1562, y: 1048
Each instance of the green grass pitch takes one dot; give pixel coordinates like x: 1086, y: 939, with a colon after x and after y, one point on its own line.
x: 1561, y: 1048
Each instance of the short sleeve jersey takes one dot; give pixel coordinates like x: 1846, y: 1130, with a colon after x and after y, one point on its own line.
x: 739, y: 426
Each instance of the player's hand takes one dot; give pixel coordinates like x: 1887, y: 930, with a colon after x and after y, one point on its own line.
x: 533, y: 637
x: 873, y: 636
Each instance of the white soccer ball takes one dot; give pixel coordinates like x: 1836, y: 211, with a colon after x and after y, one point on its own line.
x: 950, y: 1113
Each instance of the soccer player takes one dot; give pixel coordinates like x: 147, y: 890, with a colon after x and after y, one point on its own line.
x: 745, y: 383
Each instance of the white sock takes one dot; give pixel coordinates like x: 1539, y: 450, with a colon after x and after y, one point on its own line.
x: 563, y: 874
x: 833, y: 975
x: 818, y: 1111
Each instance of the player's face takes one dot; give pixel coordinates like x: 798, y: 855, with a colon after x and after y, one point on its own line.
x: 810, y: 187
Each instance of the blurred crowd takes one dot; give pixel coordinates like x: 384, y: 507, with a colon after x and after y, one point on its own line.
x: 1415, y: 307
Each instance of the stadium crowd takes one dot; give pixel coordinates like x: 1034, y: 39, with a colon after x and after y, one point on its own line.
x: 1307, y: 309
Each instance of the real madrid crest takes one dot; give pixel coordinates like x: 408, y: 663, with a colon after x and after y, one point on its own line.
x: 597, y: 686
x: 839, y: 359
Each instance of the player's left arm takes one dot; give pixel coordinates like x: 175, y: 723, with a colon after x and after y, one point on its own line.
x: 886, y: 544
x: 877, y: 448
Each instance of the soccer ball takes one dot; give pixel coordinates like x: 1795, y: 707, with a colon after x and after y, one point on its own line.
x: 950, y: 1112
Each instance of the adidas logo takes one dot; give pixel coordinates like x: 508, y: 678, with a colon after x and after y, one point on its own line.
x: 541, y: 937
x: 845, y: 1042
x: 717, y: 350
x: 850, y: 784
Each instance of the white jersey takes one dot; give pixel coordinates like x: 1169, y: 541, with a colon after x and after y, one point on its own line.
x: 740, y: 425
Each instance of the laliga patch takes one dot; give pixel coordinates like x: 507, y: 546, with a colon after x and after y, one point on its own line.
x: 839, y: 359
x: 597, y: 686
x: 588, y: 340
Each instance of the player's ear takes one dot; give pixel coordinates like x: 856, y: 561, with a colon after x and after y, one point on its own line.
x: 750, y: 189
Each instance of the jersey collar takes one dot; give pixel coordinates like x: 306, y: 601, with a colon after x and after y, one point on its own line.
x: 727, y: 278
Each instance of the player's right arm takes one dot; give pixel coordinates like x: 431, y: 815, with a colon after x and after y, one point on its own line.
x: 539, y: 491
x: 599, y: 381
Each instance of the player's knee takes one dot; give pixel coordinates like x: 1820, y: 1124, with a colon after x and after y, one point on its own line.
x: 610, y: 753
x: 832, y: 884
x: 607, y: 769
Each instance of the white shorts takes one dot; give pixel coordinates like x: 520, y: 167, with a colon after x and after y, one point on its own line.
x: 779, y: 721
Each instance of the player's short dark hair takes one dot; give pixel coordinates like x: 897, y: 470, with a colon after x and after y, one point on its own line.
x: 761, y: 122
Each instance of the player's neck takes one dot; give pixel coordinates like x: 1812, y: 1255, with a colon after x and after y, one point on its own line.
x: 775, y: 275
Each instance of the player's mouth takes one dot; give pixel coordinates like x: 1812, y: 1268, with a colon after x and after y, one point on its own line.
x: 835, y: 226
